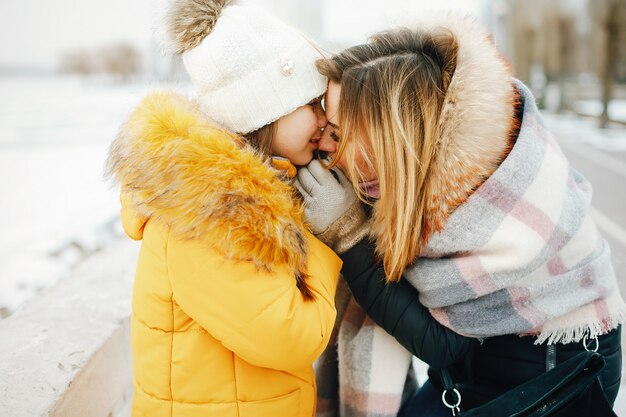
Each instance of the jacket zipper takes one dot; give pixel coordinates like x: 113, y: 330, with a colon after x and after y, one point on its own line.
x: 550, y: 357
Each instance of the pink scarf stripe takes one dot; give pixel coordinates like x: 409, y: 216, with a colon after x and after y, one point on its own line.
x: 534, y: 218
x: 498, y: 195
x: 521, y: 302
x: 602, y: 310
x: 368, y: 402
x: 354, y: 315
x: 325, y: 406
x: 473, y: 272
x: 523, y: 210
x: 440, y: 315
x: 556, y: 266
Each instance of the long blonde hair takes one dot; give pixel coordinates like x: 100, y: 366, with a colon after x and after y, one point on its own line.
x: 392, y: 94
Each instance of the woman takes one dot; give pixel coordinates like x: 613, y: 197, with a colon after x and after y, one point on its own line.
x: 474, y: 204
x: 233, y: 296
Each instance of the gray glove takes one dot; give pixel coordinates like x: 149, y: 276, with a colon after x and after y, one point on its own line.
x: 331, y: 206
x: 326, y: 197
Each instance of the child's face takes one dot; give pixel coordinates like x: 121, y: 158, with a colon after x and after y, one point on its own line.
x: 299, y: 132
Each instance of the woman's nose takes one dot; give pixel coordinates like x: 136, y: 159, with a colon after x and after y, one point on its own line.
x: 326, y: 143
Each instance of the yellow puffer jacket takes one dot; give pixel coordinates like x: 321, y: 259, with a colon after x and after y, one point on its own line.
x: 233, y: 297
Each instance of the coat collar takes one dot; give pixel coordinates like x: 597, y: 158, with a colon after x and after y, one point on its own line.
x: 205, y: 183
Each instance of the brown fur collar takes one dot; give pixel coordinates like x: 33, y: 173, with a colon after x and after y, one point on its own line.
x: 205, y: 184
x: 476, y: 120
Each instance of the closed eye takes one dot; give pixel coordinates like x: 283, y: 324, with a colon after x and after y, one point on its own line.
x: 315, y: 102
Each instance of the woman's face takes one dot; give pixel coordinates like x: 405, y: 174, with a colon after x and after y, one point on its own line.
x: 298, y: 133
x: 330, y: 138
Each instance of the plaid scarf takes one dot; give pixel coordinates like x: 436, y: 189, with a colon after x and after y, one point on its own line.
x: 522, y: 255
x: 364, y: 372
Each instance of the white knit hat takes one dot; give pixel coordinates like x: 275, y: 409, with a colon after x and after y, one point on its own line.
x: 249, y: 68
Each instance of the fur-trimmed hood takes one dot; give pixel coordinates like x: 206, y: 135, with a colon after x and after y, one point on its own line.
x: 477, y: 117
x: 204, y: 183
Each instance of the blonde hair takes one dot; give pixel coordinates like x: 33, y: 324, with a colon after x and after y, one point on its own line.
x: 392, y: 93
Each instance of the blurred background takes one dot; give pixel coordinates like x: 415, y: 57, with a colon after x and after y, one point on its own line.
x: 71, y: 71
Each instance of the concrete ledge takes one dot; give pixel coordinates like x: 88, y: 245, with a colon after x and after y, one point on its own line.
x: 66, y: 352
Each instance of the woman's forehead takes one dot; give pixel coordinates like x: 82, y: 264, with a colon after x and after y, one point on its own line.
x: 331, y: 103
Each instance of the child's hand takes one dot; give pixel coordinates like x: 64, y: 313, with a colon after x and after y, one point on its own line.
x: 331, y: 206
x: 327, y: 195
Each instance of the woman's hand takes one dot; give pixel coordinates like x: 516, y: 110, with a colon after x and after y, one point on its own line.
x: 332, y: 208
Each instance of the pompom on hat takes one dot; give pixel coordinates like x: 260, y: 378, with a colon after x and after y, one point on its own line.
x: 248, y: 67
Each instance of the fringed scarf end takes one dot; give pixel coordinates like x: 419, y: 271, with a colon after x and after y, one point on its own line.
x: 578, y: 333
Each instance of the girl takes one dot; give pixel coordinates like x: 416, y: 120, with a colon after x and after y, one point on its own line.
x: 233, y: 297
x: 474, y: 204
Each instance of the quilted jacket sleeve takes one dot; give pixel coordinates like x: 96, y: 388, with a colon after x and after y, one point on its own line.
x: 260, y: 316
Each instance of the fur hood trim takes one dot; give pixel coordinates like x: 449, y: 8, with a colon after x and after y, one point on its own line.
x: 205, y: 184
x: 476, y: 119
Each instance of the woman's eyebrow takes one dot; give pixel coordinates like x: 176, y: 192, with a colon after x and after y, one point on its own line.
x: 332, y: 124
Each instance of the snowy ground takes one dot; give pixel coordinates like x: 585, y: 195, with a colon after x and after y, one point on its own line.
x: 54, y: 135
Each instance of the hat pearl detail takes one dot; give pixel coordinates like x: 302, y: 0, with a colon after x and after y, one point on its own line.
x: 286, y: 66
